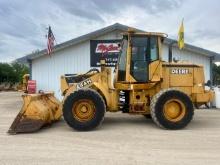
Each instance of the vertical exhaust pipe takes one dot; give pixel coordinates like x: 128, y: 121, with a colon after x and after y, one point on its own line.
x: 170, y: 47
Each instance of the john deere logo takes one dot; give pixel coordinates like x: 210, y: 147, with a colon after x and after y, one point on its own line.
x: 180, y: 71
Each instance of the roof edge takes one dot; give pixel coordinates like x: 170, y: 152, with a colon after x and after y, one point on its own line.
x: 107, y: 29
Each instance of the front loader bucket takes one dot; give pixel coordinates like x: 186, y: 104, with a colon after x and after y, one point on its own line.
x: 37, y: 111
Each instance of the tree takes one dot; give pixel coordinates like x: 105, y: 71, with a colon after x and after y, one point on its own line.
x: 6, y: 72
x: 19, y: 70
x: 216, y: 74
x: 12, y: 72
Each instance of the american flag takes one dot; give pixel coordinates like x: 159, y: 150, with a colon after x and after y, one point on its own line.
x: 50, y: 41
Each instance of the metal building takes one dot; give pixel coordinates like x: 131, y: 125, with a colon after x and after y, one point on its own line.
x: 74, y: 56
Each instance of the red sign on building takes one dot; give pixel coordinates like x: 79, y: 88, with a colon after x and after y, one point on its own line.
x: 104, y: 49
x: 31, y: 86
x: 107, y: 48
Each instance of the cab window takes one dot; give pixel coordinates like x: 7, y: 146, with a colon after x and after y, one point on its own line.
x: 144, y: 51
x: 139, y: 58
x: 153, y: 49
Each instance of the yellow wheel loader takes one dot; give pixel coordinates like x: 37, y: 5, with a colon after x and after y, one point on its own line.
x: 143, y: 84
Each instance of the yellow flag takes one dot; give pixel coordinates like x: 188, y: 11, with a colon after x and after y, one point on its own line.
x: 181, y: 36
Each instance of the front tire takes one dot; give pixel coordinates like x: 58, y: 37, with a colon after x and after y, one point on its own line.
x: 171, y: 109
x: 84, y: 110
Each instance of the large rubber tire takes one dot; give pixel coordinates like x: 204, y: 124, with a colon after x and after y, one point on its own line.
x: 157, y: 109
x: 99, y: 113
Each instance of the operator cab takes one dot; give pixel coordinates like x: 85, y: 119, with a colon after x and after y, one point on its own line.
x: 137, y: 52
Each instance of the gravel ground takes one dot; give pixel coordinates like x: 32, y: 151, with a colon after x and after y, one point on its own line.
x: 122, y: 139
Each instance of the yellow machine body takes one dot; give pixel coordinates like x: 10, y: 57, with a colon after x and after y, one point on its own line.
x: 142, y: 81
x: 179, y: 76
x: 186, y: 77
x: 25, y: 79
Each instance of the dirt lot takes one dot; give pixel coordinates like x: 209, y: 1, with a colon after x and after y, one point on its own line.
x: 122, y: 139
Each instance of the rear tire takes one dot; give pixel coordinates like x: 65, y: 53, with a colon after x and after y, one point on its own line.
x: 84, y: 110
x: 171, y: 109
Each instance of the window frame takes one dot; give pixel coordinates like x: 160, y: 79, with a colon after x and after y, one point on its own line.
x: 147, y: 55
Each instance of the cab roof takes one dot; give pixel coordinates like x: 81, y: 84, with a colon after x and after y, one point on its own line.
x: 163, y: 35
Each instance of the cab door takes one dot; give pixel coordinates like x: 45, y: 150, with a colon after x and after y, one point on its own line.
x: 144, y: 50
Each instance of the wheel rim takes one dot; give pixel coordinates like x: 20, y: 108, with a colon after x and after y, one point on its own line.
x: 83, y: 110
x: 174, y: 110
